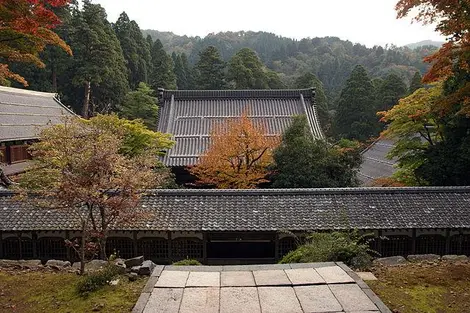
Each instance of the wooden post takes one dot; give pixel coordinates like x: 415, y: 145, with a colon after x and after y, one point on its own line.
x: 170, y: 252
x: 413, y: 241
x: 134, y: 242
x: 460, y: 242
x: 276, y: 247
x: 447, y: 249
x: 204, y: 248
x: 34, y: 244
x: 379, y: 242
x: 1, y: 244
x: 20, y: 246
x: 67, y: 248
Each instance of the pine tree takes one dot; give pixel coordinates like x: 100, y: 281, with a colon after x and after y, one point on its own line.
x: 391, y: 90
x: 209, y: 70
x: 98, y: 62
x: 140, y: 104
x: 162, y: 75
x: 355, y: 117
x: 181, y: 77
x: 135, y: 49
x: 188, y: 71
x: 416, y: 83
x: 246, y: 71
x: 300, y: 161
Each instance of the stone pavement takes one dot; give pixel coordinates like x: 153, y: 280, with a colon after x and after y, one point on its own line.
x: 278, y: 288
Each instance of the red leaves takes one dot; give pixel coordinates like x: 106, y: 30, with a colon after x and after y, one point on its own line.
x: 25, y: 30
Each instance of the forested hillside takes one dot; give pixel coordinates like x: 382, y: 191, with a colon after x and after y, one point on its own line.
x: 330, y: 58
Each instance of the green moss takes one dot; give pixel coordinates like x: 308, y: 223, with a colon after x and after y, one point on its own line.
x: 55, y: 292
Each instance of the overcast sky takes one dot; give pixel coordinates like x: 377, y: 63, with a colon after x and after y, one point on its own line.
x: 370, y: 22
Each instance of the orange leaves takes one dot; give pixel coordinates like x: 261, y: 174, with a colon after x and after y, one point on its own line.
x: 238, y: 156
x: 25, y: 30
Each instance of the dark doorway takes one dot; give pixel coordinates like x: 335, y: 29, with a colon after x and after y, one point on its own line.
x: 240, y: 248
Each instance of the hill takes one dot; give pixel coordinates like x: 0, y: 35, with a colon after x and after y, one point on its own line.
x: 418, y: 44
x: 330, y: 58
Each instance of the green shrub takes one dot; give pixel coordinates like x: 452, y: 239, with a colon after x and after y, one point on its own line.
x: 348, y: 247
x: 96, y: 280
x: 187, y: 262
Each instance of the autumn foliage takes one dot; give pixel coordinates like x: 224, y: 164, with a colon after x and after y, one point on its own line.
x: 453, y: 22
x: 26, y: 27
x: 238, y: 155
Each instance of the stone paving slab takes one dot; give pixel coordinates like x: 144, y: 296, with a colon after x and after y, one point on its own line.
x: 366, y: 276
x: 317, y: 299
x: 304, y: 276
x: 164, y: 300
x: 312, y: 288
x: 278, y: 300
x: 239, y: 300
x: 352, y: 298
x: 237, y: 279
x: 194, y: 268
x: 203, y: 279
x: 312, y: 265
x: 200, y: 300
x: 172, y: 279
x: 271, y: 278
x: 334, y: 275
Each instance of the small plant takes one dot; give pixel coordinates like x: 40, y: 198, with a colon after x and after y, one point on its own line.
x: 348, y: 247
x: 187, y: 262
x: 96, y: 280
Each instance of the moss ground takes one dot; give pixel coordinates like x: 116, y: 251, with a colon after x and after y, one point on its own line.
x: 424, y: 288
x: 46, y: 291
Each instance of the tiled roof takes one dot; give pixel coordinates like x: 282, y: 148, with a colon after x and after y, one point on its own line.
x: 190, y: 115
x: 23, y: 113
x: 375, y: 163
x: 272, y: 210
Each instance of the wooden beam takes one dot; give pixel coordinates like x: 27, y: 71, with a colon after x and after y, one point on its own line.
x: 34, y: 244
x: 413, y: 241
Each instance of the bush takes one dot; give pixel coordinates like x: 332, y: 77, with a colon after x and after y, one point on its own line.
x: 348, y: 247
x: 96, y: 280
x: 187, y: 262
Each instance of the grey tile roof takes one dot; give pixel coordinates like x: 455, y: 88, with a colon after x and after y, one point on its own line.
x: 375, y: 163
x: 23, y: 113
x: 190, y: 115
x: 272, y: 210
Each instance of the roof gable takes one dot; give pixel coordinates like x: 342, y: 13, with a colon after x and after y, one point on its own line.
x: 23, y: 113
x: 190, y: 115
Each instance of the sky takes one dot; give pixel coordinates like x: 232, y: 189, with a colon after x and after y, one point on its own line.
x: 369, y: 22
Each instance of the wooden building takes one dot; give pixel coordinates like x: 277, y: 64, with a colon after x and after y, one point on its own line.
x: 190, y: 115
x: 249, y: 226
x: 23, y: 113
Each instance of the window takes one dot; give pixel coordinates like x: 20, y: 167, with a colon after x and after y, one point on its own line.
x: 123, y: 246
x: 52, y: 248
x: 395, y: 245
x: 11, y: 248
x: 286, y: 245
x: 153, y: 248
x: 186, y: 248
x: 435, y: 244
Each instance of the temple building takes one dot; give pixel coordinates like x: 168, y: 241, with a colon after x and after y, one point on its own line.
x: 190, y: 115
x: 252, y: 226
x: 23, y: 113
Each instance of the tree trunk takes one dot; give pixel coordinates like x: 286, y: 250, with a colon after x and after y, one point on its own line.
x: 86, y: 100
x: 82, y: 253
x: 103, y: 255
